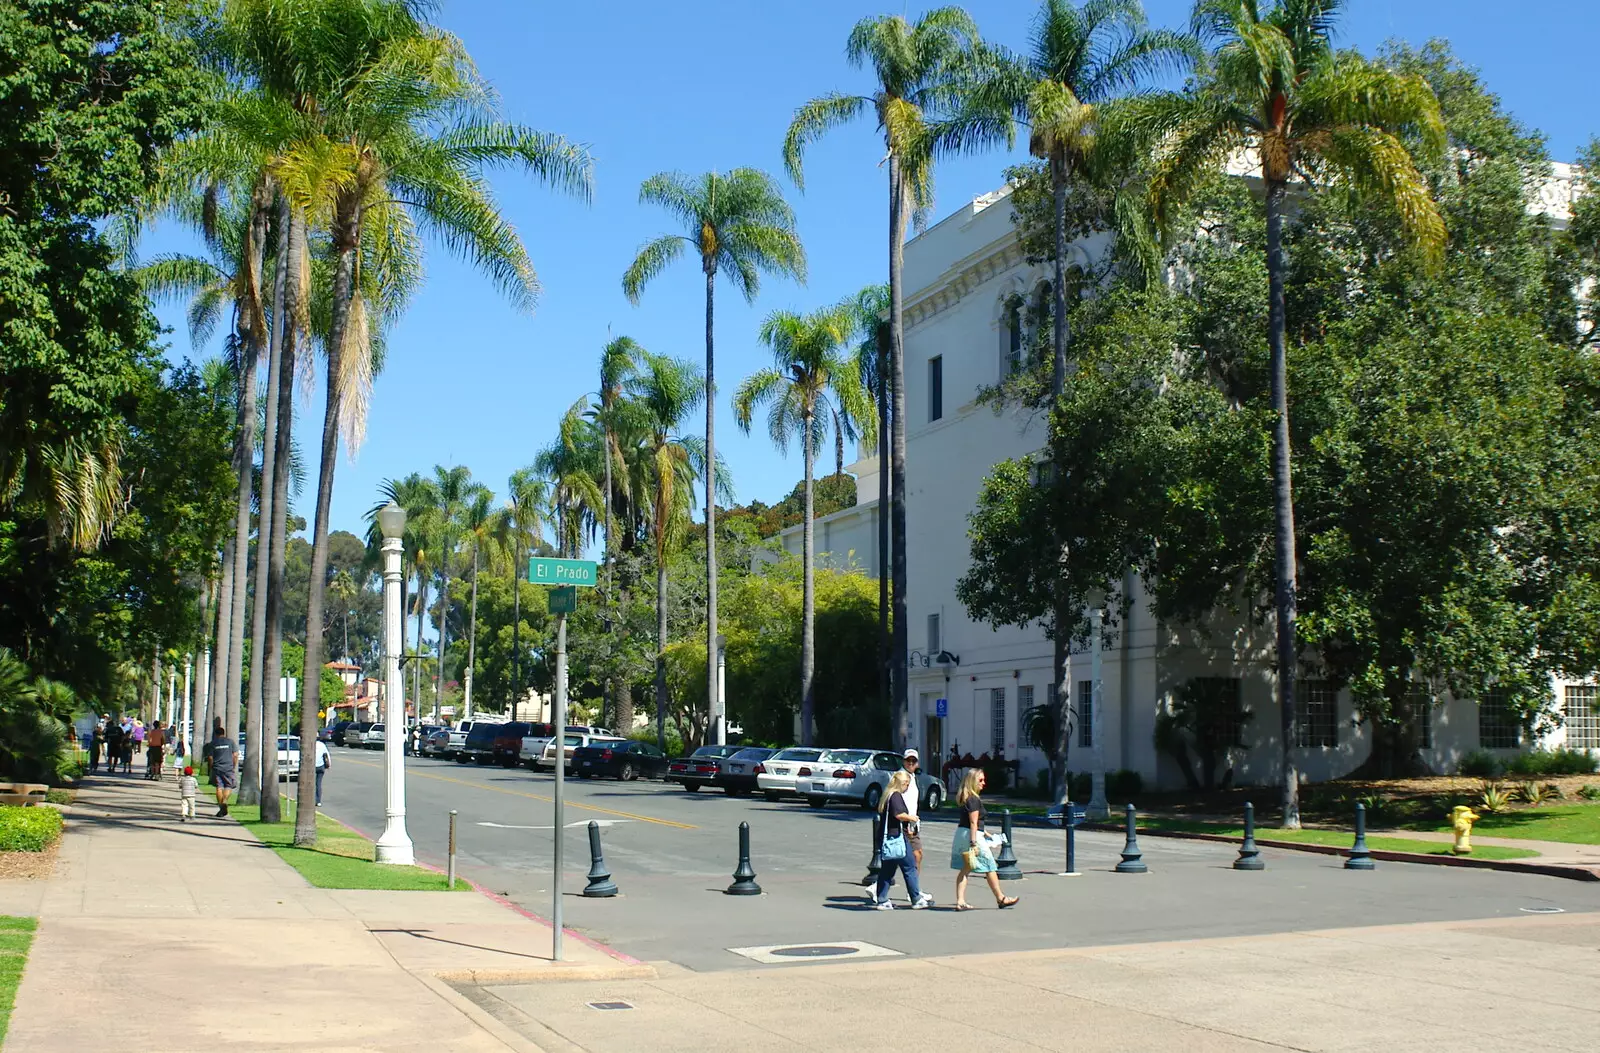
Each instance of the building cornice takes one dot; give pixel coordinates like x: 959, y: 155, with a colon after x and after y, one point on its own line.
x: 962, y: 277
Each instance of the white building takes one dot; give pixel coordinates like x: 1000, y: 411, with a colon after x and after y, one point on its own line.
x: 960, y: 276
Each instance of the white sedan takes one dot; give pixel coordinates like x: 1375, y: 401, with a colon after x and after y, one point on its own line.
x: 572, y: 740
x: 860, y: 776
x: 289, y: 757
x: 776, y: 775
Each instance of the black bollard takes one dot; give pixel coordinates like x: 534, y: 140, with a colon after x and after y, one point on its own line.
x: 1360, y: 857
x: 1132, y: 858
x: 744, y: 878
x: 875, y: 864
x: 600, y: 883
x: 1005, y: 864
x: 1249, y: 854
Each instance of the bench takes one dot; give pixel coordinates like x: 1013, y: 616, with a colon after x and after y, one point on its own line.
x: 23, y: 793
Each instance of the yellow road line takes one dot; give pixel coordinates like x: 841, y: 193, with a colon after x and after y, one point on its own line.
x: 536, y: 796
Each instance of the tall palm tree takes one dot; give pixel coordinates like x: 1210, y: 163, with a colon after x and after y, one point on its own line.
x: 1276, y: 86
x: 406, y: 129
x: 925, y: 72
x: 618, y: 362
x: 455, y: 491
x: 418, y: 495
x: 477, y: 526
x: 666, y: 390
x: 740, y: 226
x: 519, y: 528
x: 871, y: 316
x: 812, y: 381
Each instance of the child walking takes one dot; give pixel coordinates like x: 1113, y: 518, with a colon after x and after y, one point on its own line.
x: 188, y: 787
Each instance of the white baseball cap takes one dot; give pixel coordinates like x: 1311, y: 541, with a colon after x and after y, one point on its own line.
x: 912, y: 754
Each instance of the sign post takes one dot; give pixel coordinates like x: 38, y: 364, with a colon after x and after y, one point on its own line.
x: 569, y: 575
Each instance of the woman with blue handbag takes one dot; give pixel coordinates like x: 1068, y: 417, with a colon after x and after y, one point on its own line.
x: 895, y: 850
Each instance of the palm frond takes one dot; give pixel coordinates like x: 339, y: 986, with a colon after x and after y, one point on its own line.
x: 653, y: 258
x: 813, y: 120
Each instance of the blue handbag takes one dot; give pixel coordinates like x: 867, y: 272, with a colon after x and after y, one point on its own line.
x: 894, y: 847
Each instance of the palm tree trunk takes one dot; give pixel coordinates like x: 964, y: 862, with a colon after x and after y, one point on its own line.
x: 808, y: 606
x: 885, y: 680
x: 516, y: 625
x: 661, y: 649
x: 444, y: 612
x: 900, y: 708
x: 472, y: 630
x: 261, y: 695
x: 215, y: 697
x: 711, y: 508
x: 1282, y: 500
x: 1058, y: 381
x: 346, y: 231
x: 606, y: 686
x: 253, y: 342
x: 1058, y: 336
x: 416, y: 663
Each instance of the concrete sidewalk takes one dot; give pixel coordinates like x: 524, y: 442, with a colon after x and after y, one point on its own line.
x: 239, y: 952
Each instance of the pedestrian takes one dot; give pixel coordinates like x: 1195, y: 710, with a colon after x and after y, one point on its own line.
x: 188, y: 789
x: 97, y: 743
x: 972, y: 852
x: 323, y: 762
x: 912, y: 761
x: 895, y: 848
x: 138, y: 736
x: 113, y: 738
x: 156, y: 739
x: 224, y: 754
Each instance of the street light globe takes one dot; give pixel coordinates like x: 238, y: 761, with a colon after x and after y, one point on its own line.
x: 1094, y: 598
x: 392, y: 520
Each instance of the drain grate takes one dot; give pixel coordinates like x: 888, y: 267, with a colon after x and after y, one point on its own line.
x: 610, y: 1005
x: 777, y: 954
x: 1542, y: 910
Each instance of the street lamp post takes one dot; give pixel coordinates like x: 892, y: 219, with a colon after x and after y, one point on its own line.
x: 186, y: 730
x: 722, y: 682
x: 395, y: 844
x: 1098, y: 807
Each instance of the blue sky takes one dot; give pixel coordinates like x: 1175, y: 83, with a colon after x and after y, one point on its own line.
x: 703, y: 84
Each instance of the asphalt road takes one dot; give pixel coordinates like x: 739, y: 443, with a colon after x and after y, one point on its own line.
x: 672, y: 853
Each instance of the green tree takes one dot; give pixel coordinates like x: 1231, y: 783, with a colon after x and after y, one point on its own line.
x: 740, y: 227
x: 518, y: 527
x: 1275, y: 85
x: 812, y: 381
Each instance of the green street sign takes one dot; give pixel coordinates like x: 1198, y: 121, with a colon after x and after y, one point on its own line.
x: 563, y: 599
x: 548, y: 571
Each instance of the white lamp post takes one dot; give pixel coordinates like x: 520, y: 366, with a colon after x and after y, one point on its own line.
x: 395, y: 844
x: 722, y: 681
x: 1098, y: 808
x: 186, y: 730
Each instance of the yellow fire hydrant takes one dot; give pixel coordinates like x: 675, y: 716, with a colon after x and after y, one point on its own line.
x: 1462, y: 818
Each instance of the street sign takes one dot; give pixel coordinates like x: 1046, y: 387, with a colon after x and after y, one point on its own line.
x: 941, y: 708
x: 1053, y: 817
x: 543, y: 570
x: 563, y: 599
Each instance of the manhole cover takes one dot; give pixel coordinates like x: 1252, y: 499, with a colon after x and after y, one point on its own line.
x: 1542, y: 910
x: 814, y: 951
x: 610, y: 1005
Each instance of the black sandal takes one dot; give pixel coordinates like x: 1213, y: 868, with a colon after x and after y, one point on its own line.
x: 1010, y: 901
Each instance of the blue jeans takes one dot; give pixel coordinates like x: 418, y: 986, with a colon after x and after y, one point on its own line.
x: 907, y: 866
x: 319, y: 784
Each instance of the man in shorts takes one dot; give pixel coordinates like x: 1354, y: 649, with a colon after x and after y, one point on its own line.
x: 224, y: 755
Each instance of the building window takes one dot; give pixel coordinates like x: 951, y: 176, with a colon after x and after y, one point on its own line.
x: 1085, y: 713
x: 997, y: 722
x: 1421, y: 715
x: 935, y: 388
x: 933, y: 635
x: 1497, y: 726
x: 1319, y: 714
x: 1011, y: 347
x: 1581, y: 712
x: 1044, y: 472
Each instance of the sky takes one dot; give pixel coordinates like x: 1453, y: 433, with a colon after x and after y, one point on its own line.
x: 696, y: 85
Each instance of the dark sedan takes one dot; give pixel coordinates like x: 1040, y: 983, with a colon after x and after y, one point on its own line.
x: 737, y: 772
x: 619, y: 760
x: 700, y: 767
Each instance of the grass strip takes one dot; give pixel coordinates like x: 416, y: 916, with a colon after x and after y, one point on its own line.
x: 1336, y: 838
x: 1574, y: 824
x: 16, y: 936
x: 342, y: 858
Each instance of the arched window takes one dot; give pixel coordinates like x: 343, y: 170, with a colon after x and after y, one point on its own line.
x: 1012, y: 338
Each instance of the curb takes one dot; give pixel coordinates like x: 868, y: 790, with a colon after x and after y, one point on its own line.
x: 485, y: 1020
x: 1574, y: 873
x: 556, y: 972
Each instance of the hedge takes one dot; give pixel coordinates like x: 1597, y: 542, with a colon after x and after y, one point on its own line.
x: 28, y: 829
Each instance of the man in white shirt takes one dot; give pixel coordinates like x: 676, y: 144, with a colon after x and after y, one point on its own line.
x: 322, y: 759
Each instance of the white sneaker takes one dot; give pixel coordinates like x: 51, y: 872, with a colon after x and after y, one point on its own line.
x: 923, y: 903
x: 885, y: 905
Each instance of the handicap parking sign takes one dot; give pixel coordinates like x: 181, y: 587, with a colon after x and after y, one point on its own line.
x: 941, y: 708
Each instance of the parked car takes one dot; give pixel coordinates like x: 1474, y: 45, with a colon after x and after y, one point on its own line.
x: 289, y: 757
x: 436, y: 742
x: 420, y: 733
x: 700, y: 767
x: 776, y: 776
x: 507, y: 742
x: 478, y: 746
x: 860, y: 776
x: 356, y: 733
x: 458, y: 738
x: 621, y: 759
x: 374, y: 738
x: 737, y: 772
x: 329, y: 733
x: 532, y: 749
x: 571, y: 740
x: 336, y: 731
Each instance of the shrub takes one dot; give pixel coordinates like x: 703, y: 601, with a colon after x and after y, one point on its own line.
x: 1480, y: 763
x: 1535, y: 794
x: 28, y: 829
x: 1554, y: 762
x: 1377, y: 805
x: 1123, y: 785
x: 1590, y: 793
x: 1495, y: 797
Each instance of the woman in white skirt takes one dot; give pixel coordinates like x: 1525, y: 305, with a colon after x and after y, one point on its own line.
x: 970, y: 854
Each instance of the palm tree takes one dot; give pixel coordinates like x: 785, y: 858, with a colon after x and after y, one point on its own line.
x: 810, y: 365
x: 1276, y: 87
x: 925, y: 71
x: 455, y: 492
x: 477, y: 526
x: 666, y: 390
x: 405, y: 131
x: 871, y: 316
x: 518, y: 529
x: 740, y: 226
x: 618, y: 362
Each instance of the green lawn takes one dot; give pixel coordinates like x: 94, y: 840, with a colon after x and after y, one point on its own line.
x: 342, y: 858
x: 1337, y: 838
x: 1571, y: 823
x: 16, y: 935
